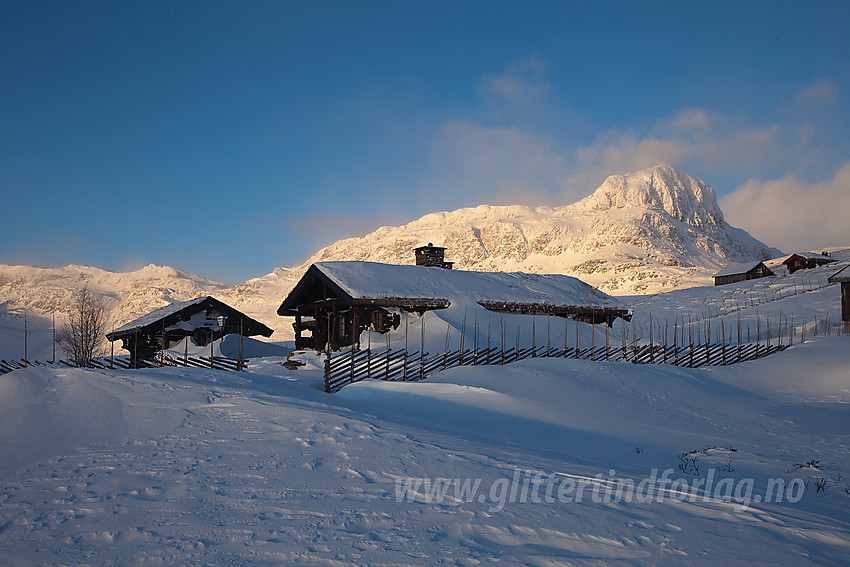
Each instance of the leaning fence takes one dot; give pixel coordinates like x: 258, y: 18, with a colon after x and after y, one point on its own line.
x: 109, y: 362
x: 355, y: 365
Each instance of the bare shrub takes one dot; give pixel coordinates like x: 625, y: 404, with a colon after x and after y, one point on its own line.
x: 81, y: 337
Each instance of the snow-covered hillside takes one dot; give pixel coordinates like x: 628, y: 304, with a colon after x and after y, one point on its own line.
x: 644, y: 232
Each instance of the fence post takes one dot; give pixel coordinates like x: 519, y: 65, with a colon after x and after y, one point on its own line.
x: 422, y: 347
x: 533, y: 338
x: 651, y: 353
x: 516, y: 351
x: 475, y: 339
x: 502, y: 325
x: 446, y: 352
x: 592, y: 333
x: 327, y: 373
x: 462, y: 336
x: 488, y: 339
x: 404, y: 366
x: 387, y: 367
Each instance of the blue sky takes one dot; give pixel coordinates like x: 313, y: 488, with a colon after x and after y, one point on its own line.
x: 229, y: 138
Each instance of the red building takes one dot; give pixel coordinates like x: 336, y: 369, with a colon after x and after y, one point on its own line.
x: 806, y: 260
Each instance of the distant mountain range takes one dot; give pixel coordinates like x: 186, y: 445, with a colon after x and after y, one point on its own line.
x: 654, y: 230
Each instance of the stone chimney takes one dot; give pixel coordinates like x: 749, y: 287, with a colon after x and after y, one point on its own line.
x: 432, y: 256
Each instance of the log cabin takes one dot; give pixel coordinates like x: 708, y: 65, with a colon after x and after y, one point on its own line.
x: 205, y: 319
x: 334, y: 302
x: 742, y: 272
x: 806, y: 260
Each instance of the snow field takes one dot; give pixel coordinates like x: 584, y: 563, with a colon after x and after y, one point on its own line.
x: 191, y: 466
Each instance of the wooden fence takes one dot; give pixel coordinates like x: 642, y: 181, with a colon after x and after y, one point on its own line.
x: 106, y: 362
x: 356, y: 365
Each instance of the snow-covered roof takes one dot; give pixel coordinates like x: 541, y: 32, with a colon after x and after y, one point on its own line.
x: 371, y: 280
x: 842, y: 275
x: 733, y: 269
x: 183, y: 310
x: 158, y: 314
x: 811, y: 256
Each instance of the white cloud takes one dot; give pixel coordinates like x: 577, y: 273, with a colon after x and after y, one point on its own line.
x: 692, y: 136
x: 792, y: 214
x: 817, y: 93
x: 522, y: 84
x: 474, y: 164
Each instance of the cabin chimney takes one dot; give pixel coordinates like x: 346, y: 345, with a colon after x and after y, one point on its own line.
x: 432, y: 256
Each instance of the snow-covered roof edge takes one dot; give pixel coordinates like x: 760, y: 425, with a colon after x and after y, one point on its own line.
x: 842, y: 275
x: 810, y: 256
x: 158, y: 314
x: 372, y: 280
x: 248, y: 325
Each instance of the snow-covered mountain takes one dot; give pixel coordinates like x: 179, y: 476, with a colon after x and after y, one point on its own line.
x: 654, y: 230
x: 643, y: 232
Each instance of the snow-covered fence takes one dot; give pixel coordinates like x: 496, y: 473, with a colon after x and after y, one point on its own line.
x: 399, y: 365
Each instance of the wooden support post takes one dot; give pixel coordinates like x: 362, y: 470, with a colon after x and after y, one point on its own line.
x: 298, y: 333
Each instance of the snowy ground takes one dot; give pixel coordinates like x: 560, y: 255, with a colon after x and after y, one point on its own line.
x: 191, y: 466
